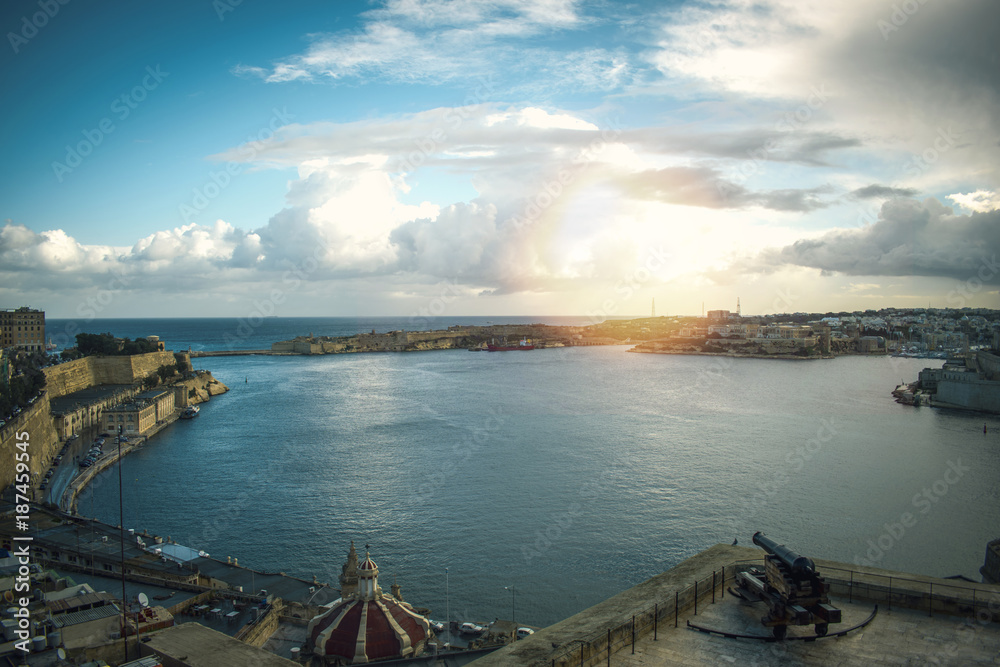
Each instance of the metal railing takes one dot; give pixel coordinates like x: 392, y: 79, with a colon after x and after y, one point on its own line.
x: 967, y: 599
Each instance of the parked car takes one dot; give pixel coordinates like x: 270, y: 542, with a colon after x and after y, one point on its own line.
x: 524, y: 632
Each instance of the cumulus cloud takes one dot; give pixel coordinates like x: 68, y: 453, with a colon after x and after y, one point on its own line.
x: 898, y: 90
x: 911, y: 238
x: 980, y: 201
x: 50, y: 253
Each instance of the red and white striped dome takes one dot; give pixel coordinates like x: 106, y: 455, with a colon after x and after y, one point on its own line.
x: 361, y: 631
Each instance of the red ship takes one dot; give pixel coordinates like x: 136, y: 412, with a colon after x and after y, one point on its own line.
x: 525, y: 344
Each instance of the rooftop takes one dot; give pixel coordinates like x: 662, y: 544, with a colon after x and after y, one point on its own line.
x: 920, y: 620
x: 194, y: 645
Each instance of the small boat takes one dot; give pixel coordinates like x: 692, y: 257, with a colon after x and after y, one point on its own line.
x: 190, y: 412
x: 503, y: 346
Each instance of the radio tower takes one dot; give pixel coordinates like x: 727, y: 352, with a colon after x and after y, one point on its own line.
x: 738, y: 314
x: 654, y: 308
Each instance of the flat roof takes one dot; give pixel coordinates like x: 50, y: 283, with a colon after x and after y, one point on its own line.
x: 291, y: 589
x: 896, y: 635
x: 87, y: 615
x: 85, y: 397
x: 195, y: 645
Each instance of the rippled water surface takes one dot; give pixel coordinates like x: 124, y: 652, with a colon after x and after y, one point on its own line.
x: 570, y: 473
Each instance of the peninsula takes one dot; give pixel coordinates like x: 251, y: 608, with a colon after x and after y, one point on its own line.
x: 721, y: 333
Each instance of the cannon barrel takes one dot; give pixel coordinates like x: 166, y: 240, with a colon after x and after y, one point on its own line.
x: 799, y: 564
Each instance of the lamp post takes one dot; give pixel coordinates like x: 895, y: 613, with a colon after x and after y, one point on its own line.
x: 512, y: 617
x: 121, y: 527
x: 447, y: 603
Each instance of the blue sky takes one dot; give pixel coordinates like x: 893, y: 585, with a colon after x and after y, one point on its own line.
x: 512, y: 157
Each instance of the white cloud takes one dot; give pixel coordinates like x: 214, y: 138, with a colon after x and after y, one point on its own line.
x: 980, y: 201
x: 429, y: 41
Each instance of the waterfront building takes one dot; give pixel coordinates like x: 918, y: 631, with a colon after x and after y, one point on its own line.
x: 134, y: 418
x: 22, y: 328
x: 162, y: 399
x: 366, y: 624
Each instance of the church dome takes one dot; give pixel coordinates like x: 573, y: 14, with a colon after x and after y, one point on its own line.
x: 368, y: 564
x: 367, y: 625
x: 361, y: 631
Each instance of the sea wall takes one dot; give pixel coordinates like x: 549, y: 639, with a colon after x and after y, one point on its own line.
x: 971, y: 393
x: 989, y: 364
x: 43, y: 443
x: 780, y: 348
x: 197, y: 389
x: 92, y: 371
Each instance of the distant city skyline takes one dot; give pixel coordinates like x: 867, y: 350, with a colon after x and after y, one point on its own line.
x: 514, y: 157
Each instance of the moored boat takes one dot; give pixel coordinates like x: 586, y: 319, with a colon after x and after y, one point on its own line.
x: 190, y: 412
x: 503, y: 346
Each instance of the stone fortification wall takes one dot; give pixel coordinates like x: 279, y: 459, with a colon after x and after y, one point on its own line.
x: 43, y: 443
x: 989, y: 364
x: 91, y: 371
x: 197, y: 389
x: 969, y: 392
x: 70, y: 377
x: 756, y: 347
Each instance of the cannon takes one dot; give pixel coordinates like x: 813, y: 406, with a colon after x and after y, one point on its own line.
x: 794, y: 591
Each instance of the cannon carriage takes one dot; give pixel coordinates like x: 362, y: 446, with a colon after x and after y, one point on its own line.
x: 794, y: 592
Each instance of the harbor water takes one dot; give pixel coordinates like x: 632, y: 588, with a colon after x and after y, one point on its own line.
x: 568, y: 473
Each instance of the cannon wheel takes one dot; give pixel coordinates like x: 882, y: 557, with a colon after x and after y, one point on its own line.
x: 821, y: 629
x: 779, y: 631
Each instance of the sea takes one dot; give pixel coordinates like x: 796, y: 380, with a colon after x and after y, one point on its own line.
x: 537, y: 484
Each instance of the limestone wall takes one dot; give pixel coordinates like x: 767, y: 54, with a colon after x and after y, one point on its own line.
x: 91, y: 371
x: 972, y: 393
x: 258, y: 633
x: 197, y: 389
x: 69, y: 377
x: 989, y: 364
x: 42, y: 439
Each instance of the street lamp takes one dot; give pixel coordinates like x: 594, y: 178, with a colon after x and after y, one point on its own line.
x: 121, y: 528
x: 447, y: 604
x: 512, y: 618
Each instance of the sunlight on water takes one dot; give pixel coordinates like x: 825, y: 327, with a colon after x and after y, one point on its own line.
x: 572, y: 473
